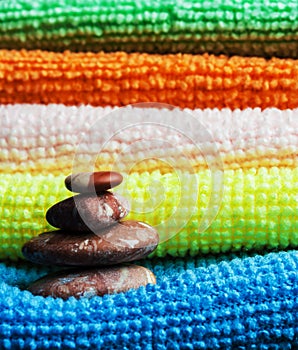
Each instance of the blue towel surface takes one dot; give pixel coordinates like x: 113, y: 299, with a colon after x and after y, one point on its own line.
x: 226, y: 302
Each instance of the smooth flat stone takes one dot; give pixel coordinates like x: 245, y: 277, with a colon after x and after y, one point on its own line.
x: 92, y: 282
x: 98, y: 212
x: 123, y: 242
x: 93, y: 182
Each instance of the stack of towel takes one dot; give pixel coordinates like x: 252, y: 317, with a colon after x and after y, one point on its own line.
x: 210, y: 158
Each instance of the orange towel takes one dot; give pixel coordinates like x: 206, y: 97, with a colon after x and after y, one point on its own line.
x: 117, y: 79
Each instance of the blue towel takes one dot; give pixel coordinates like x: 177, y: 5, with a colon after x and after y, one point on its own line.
x: 226, y: 302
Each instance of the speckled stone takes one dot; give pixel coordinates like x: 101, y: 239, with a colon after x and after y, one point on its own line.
x: 98, y: 211
x: 91, y: 282
x: 93, y: 182
x: 123, y: 242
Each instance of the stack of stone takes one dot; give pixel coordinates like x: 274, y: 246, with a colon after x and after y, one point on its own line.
x: 92, y: 239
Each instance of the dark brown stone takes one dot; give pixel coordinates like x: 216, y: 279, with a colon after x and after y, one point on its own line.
x: 93, y: 182
x: 91, y: 282
x: 98, y: 212
x: 123, y: 242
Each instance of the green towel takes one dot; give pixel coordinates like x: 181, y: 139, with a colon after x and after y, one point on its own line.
x: 242, y: 27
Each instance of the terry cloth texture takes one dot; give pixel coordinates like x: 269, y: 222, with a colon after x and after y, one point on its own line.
x: 43, y: 139
x: 258, y: 210
x: 228, y: 302
x: 253, y: 28
x: 118, y: 79
x: 157, y: 51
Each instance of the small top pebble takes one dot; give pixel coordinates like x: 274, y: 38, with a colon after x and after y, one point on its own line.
x: 93, y: 182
